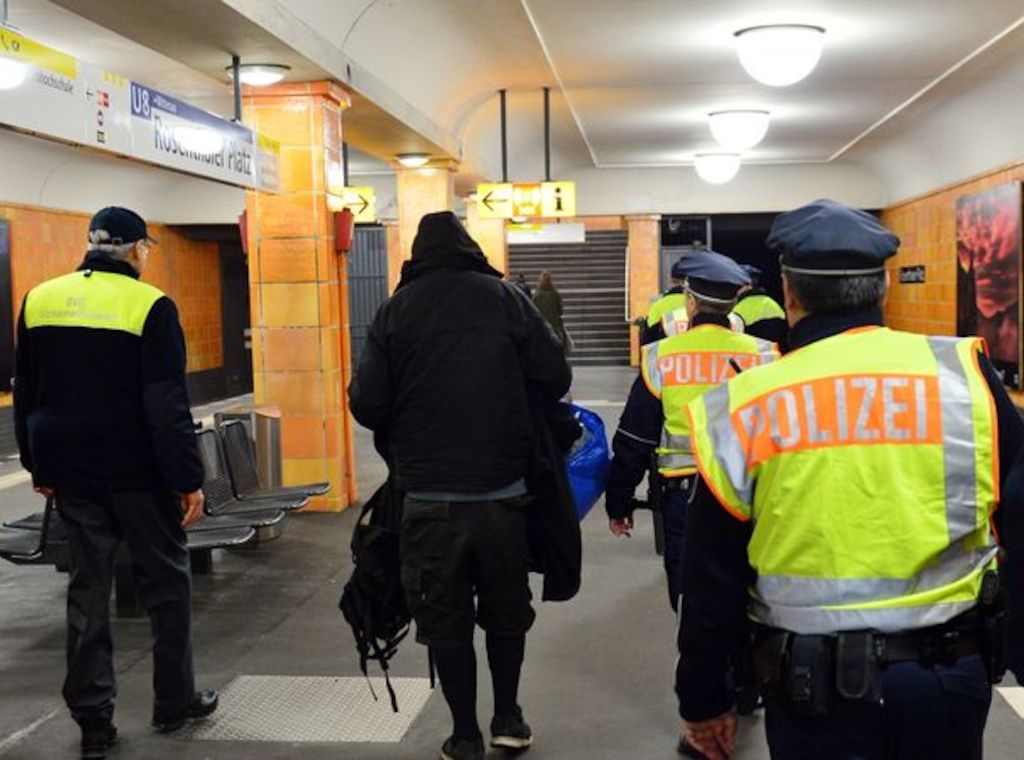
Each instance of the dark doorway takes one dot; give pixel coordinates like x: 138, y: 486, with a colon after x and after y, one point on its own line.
x: 742, y: 237
x: 367, y: 282
x: 235, y: 318
x: 6, y: 308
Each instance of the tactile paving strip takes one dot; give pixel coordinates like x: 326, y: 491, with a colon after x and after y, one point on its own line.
x: 312, y: 709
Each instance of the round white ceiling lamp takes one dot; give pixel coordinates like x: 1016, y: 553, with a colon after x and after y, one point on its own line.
x: 738, y: 130
x: 413, y: 160
x: 717, y: 168
x: 12, y: 73
x: 261, y: 74
x: 780, y: 54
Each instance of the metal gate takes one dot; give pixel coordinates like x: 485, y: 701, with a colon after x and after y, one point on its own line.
x: 367, y: 282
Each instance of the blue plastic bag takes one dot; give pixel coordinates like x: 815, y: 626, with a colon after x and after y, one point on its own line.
x: 587, y: 462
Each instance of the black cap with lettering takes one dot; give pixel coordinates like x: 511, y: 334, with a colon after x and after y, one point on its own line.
x: 827, y: 238
x: 121, y: 225
x: 711, y: 276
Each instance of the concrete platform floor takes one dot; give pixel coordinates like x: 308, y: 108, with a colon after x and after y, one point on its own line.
x: 597, y: 683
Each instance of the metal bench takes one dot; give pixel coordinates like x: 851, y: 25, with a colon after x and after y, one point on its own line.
x: 241, y: 462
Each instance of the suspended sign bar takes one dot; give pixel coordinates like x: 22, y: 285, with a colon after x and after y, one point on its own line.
x: 73, y: 101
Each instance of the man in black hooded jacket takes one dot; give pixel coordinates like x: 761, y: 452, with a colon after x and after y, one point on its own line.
x: 451, y: 364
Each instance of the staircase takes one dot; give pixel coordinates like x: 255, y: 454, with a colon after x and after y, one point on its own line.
x: 591, y: 277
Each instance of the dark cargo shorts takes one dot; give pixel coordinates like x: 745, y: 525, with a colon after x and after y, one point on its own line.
x: 453, y: 551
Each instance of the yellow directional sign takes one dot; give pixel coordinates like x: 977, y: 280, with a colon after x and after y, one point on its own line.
x: 362, y: 201
x: 506, y: 200
x: 558, y: 199
x: 494, y: 200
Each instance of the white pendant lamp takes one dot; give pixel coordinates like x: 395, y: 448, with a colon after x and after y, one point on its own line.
x: 413, y: 160
x: 717, y: 168
x: 261, y: 74
x: 12, y: 73
x: 738, y: 130
x: 780, y: 54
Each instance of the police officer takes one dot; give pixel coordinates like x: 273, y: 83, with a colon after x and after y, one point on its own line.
x: 760, y: 313
x: 845, y: 504
x: 671, y: 300
x: 103, y: 424
x: 674, y: 371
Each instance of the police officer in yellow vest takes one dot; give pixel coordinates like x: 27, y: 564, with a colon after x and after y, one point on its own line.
x: 759, y: 313
x: 673, y: 371
x: 103, y: 424
x: 670, y: 300
x: 846, y: 505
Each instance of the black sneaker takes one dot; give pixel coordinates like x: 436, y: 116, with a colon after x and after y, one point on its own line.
x: 462, y: 749
x: 203, y: 703
x: 688, y: 750
x: 96, y: 740
x: 511, y: 731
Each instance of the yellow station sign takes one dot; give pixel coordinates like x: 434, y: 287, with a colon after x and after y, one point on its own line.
x: 361, y: 200
x: 505, y: 200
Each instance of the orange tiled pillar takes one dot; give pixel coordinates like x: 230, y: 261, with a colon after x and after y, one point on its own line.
x: 298, y: 288
x: 395, y: 257
x: 490, y: 235
x: 420, y: 191
x: 644, y: 252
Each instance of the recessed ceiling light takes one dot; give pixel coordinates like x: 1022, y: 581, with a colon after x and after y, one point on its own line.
x: 261, y: 74
x: 780, y: 54
x: 717, y: 168
x: 412, y: 160
x: 12, y: 73
x: 738, y: 130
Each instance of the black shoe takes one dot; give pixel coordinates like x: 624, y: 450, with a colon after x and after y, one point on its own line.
x: 203, y: 703
x: 511, y: 731
x: 688, y: 750
x: 462, y: 749
x: 96, y: 740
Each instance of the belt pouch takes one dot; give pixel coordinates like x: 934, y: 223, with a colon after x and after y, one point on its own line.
x: 808, y: 675
x: 857, y: 675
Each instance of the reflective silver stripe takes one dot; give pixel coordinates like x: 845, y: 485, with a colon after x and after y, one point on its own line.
x: 766, y: 349
x: 728, y: 449
x: 811, y: 620
x: 675, y: 442
x: 676, y: 461
x: 954, y: 564
x: 626, y: 433
x: 957, y: 413
x: 650, y: 360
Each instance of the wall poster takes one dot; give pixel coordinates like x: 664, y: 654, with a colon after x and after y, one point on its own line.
x: 988, y: 242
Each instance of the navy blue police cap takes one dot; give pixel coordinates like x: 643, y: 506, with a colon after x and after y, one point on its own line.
x: 752, y: 271
x: 829, y: 239
x: 121, y: 225
x: 712, y: 276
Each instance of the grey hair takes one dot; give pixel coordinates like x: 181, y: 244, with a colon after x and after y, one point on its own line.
x: 99, y: 240
x: 837, y: 295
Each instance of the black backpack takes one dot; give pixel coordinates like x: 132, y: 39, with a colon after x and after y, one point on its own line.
x: 373, y: 601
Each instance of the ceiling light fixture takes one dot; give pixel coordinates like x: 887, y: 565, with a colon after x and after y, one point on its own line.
x: 780, y: 54
x: 261, y: 74
x: 717, y: 168
x: 12, y: 73
x: 412, y: 160
x: 738, y: 130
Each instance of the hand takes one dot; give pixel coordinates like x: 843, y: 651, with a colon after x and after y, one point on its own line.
x: 191, y: 507
x: 46, y: 491
x: 621, y: 526
x: 716, y: 738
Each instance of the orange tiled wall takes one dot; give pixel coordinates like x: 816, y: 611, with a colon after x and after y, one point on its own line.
x: 927, y: 230
x: 46, y: 243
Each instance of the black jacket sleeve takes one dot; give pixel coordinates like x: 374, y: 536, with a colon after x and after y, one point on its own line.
x: 547, y: 373
x: 651, y: 334
x: 716, y: 576
x: 635, y: 439
x: 371, y: 394
x: 1009, y: 517
x: 24, y: 392
x: 165, y: 399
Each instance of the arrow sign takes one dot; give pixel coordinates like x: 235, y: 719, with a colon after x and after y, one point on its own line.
x: 494, y: 200
x: 362, y: 201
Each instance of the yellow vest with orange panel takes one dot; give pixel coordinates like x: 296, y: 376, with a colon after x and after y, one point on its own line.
x: 680, y: 368
x: 868, y: 464
x: 678, y: 321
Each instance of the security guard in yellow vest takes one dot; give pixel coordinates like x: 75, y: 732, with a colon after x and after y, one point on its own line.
x: 759, y: 313
x: 678, y: 321
x: 103, y: 424
x: 673, y: 371
x: 846, y: 503
x: 672, y: 299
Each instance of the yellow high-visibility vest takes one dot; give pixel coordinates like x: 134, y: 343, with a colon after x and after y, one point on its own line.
x: 678, y: 321
x: 680, y: 368
x: 867, y: 462
x: 668, y: 302
x: 100, y: 300
x: 757, y: 307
